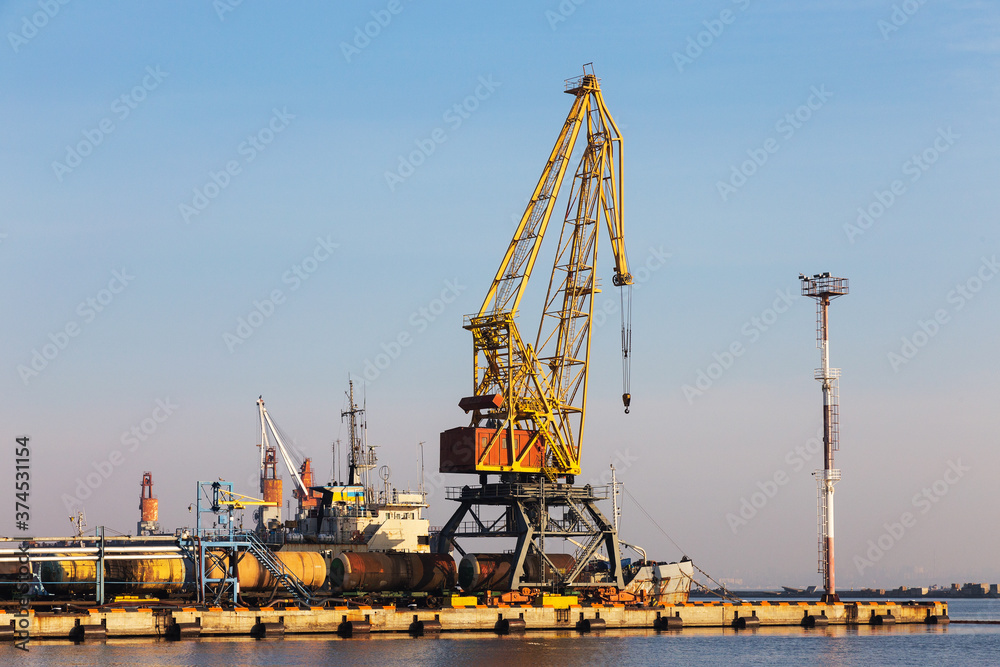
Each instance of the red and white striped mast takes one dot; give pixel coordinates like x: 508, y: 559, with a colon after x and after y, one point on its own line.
x: 824, y: 288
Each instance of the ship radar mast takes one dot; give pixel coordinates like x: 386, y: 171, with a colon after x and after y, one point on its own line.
x: 361, y: 457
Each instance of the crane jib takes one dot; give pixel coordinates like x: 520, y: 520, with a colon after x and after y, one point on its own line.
x: 529, y: 402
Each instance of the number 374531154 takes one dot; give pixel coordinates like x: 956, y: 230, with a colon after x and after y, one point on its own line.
x: 22, y: 483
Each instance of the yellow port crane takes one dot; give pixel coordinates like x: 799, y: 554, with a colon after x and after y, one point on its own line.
x: 530, y: 401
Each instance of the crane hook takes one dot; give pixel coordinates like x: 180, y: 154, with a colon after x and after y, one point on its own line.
x: 627, y: 400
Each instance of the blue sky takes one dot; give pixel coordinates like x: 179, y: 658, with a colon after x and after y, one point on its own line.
x: 885, y: 107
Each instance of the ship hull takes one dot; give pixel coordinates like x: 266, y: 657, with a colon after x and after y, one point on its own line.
x: 662, y: 583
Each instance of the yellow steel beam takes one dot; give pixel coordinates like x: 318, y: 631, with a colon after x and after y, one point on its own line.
x: 533, y: 388
x: 515, y: 269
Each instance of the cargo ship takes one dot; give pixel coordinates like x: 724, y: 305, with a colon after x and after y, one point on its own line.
x: 349, y: 515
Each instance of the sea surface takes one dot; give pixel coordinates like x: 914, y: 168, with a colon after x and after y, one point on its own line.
x: 954, y: 644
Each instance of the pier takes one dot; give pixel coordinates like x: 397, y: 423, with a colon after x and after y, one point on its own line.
x: 193, y: 622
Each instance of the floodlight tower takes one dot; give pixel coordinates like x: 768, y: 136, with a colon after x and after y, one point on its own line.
x: 824, y: 288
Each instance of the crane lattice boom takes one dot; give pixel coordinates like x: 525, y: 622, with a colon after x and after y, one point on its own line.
x: 530, y: 401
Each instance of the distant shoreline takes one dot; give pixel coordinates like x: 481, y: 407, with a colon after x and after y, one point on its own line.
x: 863, y: 594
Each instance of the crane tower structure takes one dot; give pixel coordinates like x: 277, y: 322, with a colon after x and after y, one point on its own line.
x: 528, y: 408
x: 149, y: 508
x: 269, y: 515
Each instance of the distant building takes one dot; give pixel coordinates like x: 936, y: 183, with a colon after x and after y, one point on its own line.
x: 976, y: 589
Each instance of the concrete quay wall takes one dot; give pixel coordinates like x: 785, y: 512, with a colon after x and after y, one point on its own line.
x: 272, y: 621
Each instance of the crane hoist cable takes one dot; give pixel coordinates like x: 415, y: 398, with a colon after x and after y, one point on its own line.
x: 625, y: 295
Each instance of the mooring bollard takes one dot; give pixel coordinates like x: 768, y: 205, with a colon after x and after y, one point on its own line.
x: 509, y: 626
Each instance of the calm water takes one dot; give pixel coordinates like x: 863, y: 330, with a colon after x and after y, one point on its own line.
x: 957, y: 644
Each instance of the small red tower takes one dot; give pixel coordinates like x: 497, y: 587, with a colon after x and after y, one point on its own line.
x: 149, y: 508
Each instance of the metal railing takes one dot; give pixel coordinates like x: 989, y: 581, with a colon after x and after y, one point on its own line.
x: 500, y: 491
x: 277, y: 568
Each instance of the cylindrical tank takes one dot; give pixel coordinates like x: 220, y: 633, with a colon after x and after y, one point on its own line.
x: 146, y: 576
x: 69, y: 576
x: 272, y: 491
x: 308, y: 566
x: 481, y: 572
x: 376, y: 571
x: 150, y: 509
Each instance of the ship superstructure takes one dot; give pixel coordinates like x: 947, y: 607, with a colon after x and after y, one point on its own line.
x: 360, y: 513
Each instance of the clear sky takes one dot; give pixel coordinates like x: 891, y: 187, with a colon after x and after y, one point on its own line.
x: 170, y: 170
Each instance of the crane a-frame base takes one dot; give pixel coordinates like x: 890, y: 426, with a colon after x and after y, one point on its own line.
x: 536, y: 513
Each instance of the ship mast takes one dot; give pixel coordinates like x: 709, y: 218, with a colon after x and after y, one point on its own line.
x: 360, y: 459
